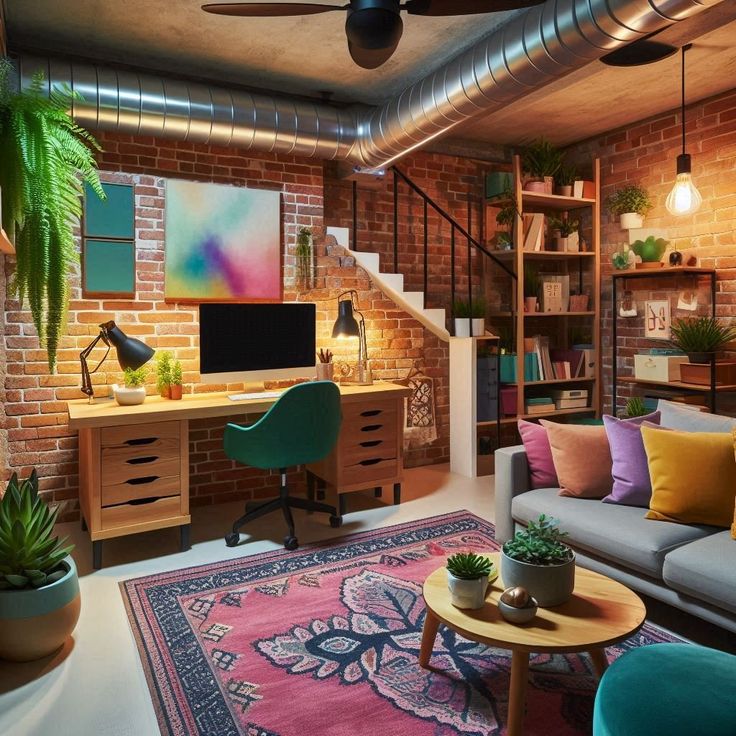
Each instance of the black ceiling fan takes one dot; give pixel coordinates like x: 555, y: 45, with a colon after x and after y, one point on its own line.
x: 373, y: 27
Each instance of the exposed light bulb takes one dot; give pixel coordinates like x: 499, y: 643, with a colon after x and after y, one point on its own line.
x: 684, y: 199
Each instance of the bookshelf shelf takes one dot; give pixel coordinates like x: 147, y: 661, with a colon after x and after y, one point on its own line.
x: 679, y: 385
x: 554, y: 201
x: 534, y: 315
x: 545, y: 415
x: 543, y: 254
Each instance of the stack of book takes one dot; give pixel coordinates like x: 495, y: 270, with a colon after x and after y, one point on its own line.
x: 558, y: 363
x: 571, y: 398
x: 542, y: 405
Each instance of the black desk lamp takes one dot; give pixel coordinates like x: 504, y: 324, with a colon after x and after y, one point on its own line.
x: 347, y: 326
x: 131, y: 353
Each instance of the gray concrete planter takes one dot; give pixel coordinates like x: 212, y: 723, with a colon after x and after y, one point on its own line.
x: 470, y: 594
x: 551, y: 585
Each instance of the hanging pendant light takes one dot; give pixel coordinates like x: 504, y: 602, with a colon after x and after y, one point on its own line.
x: 684, y: 199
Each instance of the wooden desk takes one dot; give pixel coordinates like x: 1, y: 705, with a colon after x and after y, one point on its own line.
x: 134, y: 460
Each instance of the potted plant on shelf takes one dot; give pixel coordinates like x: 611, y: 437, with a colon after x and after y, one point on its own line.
x: 133, y: 391
x: 563, y: 229
x: 469, y: 318
x: 304, y: 259
x: 163, y: 373
x: 650, y: 251
x: 564, y: 179
x: 39, y: 589
x: 631, y: 204
x: 506, y: 218
x: 468, y: 576
x: 531, y: 288
x: 541, y: 161
x: 701, y: 337
x: 538, y: 560
x: 176, y: 388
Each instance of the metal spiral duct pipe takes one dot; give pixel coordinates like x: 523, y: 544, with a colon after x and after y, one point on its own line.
x: 535, y: 47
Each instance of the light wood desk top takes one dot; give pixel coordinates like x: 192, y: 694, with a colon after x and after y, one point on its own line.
x: 106, y: 412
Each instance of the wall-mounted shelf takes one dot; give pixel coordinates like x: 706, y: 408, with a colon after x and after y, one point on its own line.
x: 553, y: 201
x: 679, y: 385
x: 558, y: 314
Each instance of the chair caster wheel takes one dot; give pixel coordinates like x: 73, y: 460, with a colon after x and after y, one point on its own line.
x: 335, y: 522
x: 291, y: 543
x: 232, y: 539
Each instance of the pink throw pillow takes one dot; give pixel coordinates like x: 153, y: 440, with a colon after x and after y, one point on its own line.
x: 538, y: 454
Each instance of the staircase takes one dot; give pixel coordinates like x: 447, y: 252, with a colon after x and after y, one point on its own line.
x: 392, y: 284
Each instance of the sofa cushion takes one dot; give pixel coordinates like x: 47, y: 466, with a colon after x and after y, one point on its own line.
x: 688, y: 419
x: 705, y: 569
x: 618, y: 533
x: 538, y: 454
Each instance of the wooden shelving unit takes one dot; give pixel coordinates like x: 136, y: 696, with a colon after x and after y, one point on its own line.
x: 584, y: 270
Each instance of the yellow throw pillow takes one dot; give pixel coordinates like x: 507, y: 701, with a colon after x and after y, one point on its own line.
x: 733, y: 526
x: 693, y: 476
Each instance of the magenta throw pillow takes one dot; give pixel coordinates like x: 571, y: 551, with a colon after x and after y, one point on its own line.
x: 631, y: 483
x: 542, y: 472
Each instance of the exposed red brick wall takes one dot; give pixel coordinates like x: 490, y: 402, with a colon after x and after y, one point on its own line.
x: 36, y: 424
x: 644, y: 153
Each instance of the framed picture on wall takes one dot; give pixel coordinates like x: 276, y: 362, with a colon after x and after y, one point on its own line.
x: 657, y: 320
x: 223, y: 243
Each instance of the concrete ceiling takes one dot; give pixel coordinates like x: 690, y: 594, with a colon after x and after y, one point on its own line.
x: 306, y: 55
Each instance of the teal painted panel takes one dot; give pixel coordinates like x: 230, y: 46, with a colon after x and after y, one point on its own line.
x: 113, y: 217
x: 109, y: 268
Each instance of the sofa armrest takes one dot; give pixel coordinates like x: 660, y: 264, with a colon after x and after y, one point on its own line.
x: 512, y: 478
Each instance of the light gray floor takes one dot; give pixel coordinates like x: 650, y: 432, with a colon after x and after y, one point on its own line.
x: 96, y: 687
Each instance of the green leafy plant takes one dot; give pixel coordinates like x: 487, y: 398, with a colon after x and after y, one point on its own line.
x: 506, y: 339
x: 45, y: 159
x: 565, y: 226
x: 463, y: 309
x: 701, y: 334
x: 135, y: 378
x: 539, y: 544
x: 163, y: 370
x: 632, y: 198
x: 469, y: 566
x: 176, y: 374
x: 566, y: 175
x: 650, y: 250
x: 540, y: 158
x: 506, y: 216
x: 304, y: 257
x: 635, y: 407
x: 30, y: 556
x: 531, y: 281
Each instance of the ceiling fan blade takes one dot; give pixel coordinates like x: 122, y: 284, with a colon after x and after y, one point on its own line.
x: 464, y: 7
x: 269, y: 10
x: 370, y: 58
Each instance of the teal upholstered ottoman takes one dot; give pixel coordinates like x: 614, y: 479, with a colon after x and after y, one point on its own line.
x: 668, y: 690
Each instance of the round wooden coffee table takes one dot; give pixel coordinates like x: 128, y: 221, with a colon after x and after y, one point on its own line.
x: 600, y: 612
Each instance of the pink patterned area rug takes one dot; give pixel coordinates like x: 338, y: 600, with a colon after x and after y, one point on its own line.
x: 324, y: 642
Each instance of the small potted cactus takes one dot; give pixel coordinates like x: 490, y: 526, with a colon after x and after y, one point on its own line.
x: 467, y: 579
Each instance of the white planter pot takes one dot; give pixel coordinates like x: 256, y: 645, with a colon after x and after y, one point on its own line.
x: 550, y: 585
x: 631, y: 220
x: 129, y: 396
x: 467, y: 593
x: 479, y: 326
x: 462, y: 326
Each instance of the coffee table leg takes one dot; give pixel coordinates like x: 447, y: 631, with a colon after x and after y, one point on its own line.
x: 429, y: 634
x: 600, y: 661
x: 517, y: 692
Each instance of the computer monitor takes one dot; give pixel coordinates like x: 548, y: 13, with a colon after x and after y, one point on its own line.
x: 256, y: 342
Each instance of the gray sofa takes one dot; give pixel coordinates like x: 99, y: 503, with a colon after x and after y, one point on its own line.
x: 687, y: 566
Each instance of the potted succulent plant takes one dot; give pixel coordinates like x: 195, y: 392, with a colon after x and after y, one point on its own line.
x: 650, y: 251
x: 701, y: 337
x: 631, y: 204
x: 469, y: 318
x: 134, y: 390
x: 163, y: 373
x: 176, y: 389
x: 564, y: 179
x: 563, y: 230
x: 538, y: 560
x: 39, y: 589
x: 467, y: 578
x: 541, y: 161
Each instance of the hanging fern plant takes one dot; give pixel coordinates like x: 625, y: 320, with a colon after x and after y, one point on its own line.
x: 45, y: 159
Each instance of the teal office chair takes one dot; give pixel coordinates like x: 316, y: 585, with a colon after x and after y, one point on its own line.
x: 301, y: 427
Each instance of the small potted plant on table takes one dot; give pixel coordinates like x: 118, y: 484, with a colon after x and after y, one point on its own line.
x: 467, y: 578
x: 163, y: 373
x: 538, y: 560
x: 39, y: 589
x: 631, y: 204
x: 650, y: 251
x: 176, y: 388
x: 134, y: 390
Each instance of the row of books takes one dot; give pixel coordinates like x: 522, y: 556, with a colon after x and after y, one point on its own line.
x: 559, y: 363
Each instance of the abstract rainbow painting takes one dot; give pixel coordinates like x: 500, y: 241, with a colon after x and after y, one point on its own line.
x: 223, y: 243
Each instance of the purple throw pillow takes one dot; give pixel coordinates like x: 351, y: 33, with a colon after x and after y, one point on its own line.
x: 631, y: 483
x: 542, y: 472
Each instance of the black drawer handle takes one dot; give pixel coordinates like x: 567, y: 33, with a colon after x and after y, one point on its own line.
x: 371, y: 443
x: 142, y: 501
x: 372, y: 461
x: 141, y: 441
x: 142, y: 460
x: 371, y: 427
x: 371, y: 413
x: 142, y: 481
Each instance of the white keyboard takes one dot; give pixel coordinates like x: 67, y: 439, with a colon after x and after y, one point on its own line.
x: 255, y: 395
